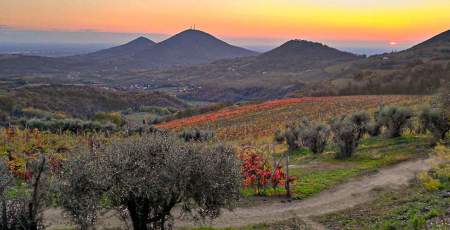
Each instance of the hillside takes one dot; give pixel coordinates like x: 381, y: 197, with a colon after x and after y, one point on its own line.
x: 82, y: 101
x: 420, y: 69
x: 300, y: 55
x: 117, y: 57
x: 273, y: 74
x: 257, y: 121
x: 188, y: 48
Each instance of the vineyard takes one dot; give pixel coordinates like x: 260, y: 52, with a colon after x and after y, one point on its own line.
x: 256, y: 121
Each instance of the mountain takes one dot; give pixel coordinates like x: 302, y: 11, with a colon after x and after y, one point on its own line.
x: 442, y: 39
x: 127, y: 50
x: 269, y: 75
x: 420, y: 69
x: 299, y: 55
x: 189, y: 47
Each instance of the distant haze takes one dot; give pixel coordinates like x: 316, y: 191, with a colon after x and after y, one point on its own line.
x: 62, y: 43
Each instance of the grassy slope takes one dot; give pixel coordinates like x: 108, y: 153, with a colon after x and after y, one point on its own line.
x: 83, y: 101
x: 317, y: 173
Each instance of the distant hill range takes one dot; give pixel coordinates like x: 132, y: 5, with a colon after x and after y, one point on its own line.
x: 189, y: 47
x: 195, y: 65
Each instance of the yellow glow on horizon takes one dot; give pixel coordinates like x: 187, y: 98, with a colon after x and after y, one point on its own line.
x: 398, y: 20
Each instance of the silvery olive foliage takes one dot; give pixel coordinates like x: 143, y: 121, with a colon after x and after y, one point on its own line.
x: 346, y: 136
x: 81, y: 186
x: 395, y: 119
x: 22, y: 202
x: 315, y: 137
x: 436, y: 121
x: 361, y: 119
x: 151, y: 174
x: 195, y: 134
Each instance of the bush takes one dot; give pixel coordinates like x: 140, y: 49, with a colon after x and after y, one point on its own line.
x: 114, y: 117
x: 361, y: 120
x: 374, y: 129
x: 71, y: 125
x: 345, y: 136
x: 151, y: 174
x: 315, y: 137
x: 395, y: 119
x: 435, y: 121
x: 195, y: 134
x: 292, y: 134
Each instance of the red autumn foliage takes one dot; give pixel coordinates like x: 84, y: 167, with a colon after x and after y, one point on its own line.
x: 257, y: 172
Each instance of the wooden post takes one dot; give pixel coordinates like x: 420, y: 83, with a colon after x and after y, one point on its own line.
x: 288, y: 189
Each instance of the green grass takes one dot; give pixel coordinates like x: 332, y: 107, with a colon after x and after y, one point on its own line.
x: 372, y: 154
x: 293, y: 223
x: 408, y: 208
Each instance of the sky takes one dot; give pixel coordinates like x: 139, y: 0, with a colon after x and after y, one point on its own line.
x: 353, y: 23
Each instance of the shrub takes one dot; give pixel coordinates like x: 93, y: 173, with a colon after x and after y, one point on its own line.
x: 345, y: 136
x: 361, y: 120
x: 114, y: 117
x: 257, y: 172
x: 395, y: 119
x: 435, y: 121
x: 71, y: 125
x: 315, y: 137
x: 293, y: 132
x: 195, y: 134
x: 151, y: 174
x: 374, y: 129
x: 428, y: 182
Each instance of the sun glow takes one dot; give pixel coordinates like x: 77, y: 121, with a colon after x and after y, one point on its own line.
x: 320, y: 19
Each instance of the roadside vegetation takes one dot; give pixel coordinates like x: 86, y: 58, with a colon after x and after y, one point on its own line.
x: 146, y: 172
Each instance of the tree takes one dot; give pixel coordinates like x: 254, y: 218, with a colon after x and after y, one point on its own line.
x: 24, y: 210
x: 436, y: 121
x: 361, y: 119
x: 345, y: 136
x: 395, y: 119
x: 195, y: 134
x: 151, y: 174
x: 81, y: 187
x: 315, y: 137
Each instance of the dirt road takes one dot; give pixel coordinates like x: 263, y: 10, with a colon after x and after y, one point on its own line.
x: 357, y: 191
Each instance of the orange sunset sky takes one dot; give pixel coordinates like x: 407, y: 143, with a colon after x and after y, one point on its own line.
x: 356, y: 20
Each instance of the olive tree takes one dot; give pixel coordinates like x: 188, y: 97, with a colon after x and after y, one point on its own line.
x: 361, y: 120
x: 151, y: 174
x: 23, y: 210
x: 395, y: 119
x: 436, y: 121
x: 195, y: 134
x: 315, y: 137
x: 81, y: 185
x: 345, y: 136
